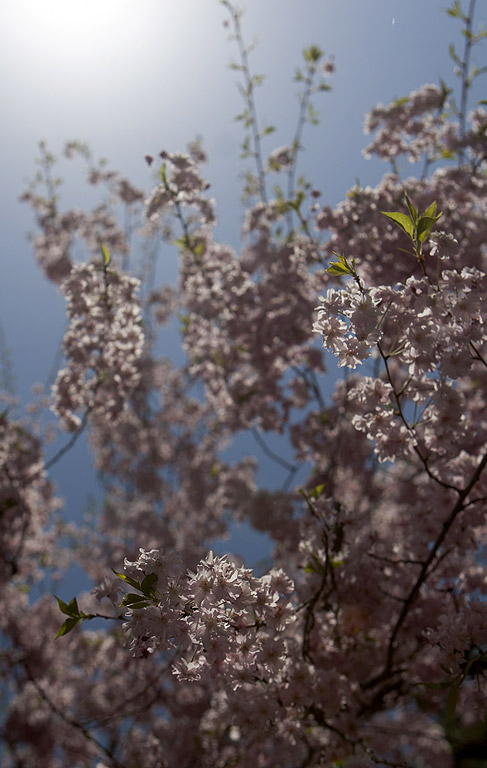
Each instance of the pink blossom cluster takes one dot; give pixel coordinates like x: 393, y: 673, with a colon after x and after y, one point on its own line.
x: 242, y: 364
x: 435, y: 331
x: 349, y: 322
x: 233, y: 622
x: 181, y: 184
x: 27, y: 503
x: 281, y: 158
x: 459, y: 194
x: 102, y: 345
x: 414, y: 126
x: 63, y: 231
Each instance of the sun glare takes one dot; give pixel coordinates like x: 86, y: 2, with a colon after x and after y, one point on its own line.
x: 70, y: 19
x: 67, y: 32
x: 73, y: 58
x: 65, y: 41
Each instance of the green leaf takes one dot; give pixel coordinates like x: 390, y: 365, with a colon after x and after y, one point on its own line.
x: 431, y: 209
x: 455, y: 11
x: 184, y: 320
x: 296, y: 203
x: 312, y: 54
x: 181, y: 242
x: 453, y: 54
x: 400, y: 102
x: 147, y: 585
x: 127, y: 579
x: 476, y: 71
x: 257, y: 80
x: 451, y: 701
x: 134, y: 601
x: 106, y: 255
x: 402, y: 221
x: 316, y: 492
x: 70, y: 609
x: 68, y: 625
x: 447, y: 154
x: 425, y: 225
x: 63, y: 606
x: 444, y: 89
x: 342, y: 267
x: 412, y: 210
x: 337, y: 269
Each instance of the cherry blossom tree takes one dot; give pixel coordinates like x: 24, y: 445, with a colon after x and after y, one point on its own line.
x: 364, y: 643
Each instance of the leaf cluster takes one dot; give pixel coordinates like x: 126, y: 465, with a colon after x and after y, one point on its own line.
x: 74, y: 616
x: 344, y: 267
x: 145, y: 587
x: 415, y: 225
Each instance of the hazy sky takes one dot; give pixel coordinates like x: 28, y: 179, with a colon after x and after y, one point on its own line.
x: 137, y: 76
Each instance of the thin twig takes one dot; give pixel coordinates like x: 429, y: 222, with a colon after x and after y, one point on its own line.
x: 70, y: 721
x: 425, y: 572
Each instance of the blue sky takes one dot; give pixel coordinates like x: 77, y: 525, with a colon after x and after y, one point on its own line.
x: 137, y: 76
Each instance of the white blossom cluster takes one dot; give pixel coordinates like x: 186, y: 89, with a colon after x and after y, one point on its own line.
x: 228, y: 620
x: 103, y: 344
